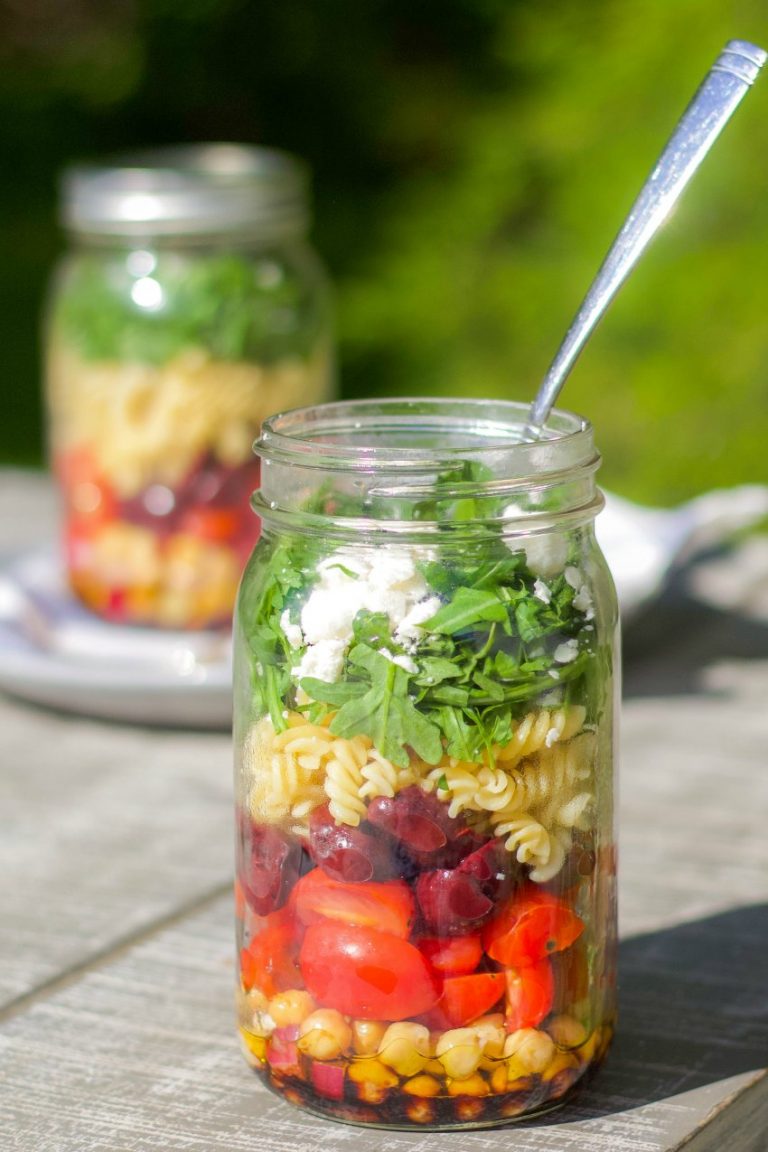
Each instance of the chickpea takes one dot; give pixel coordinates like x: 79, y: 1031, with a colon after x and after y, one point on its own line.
x: 324, y: 1034
x: 567, y: 1031
x: 531, y: 1049
x: 291, y: 1007
x: 422, y: 1085
x: 405, y: 1047
x: 459, y: 1052
x: 491, y: 1035
x: 366, y: 1036
x: 254, y: 1047
x: 420, y: 1111
x: 473, y: 1085
x: 559, y: 1062
x: 372, y: 1072
x: 252, y: 1009
x: 590, y: 1047
x: 499, y: 1078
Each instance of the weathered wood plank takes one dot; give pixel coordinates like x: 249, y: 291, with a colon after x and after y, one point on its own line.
x: 104, y: 830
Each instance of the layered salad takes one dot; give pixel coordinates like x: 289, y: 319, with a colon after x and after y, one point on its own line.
x: 425, y: 855
x: 160, y: 371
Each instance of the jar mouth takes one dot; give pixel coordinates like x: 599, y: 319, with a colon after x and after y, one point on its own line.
x: 416, y: 466
x: 193, y: 190
x: 413, y: 433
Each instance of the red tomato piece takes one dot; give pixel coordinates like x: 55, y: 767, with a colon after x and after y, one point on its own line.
x: 465, y: 998
x: 89, y: 499
x: 270, y: 962
x: 530, y: 993
x: 217, y: 524
x: 364, y: 973
x: 529, y: 927
x: 452, y: 955
x: 386, y: 905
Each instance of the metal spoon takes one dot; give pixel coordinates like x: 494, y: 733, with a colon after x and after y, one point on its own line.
x: 721, y: 91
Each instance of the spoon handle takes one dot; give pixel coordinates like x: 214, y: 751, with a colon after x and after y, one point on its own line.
x: 720, y: 93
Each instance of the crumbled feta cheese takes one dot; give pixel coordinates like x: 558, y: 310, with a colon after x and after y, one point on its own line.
x: 553, y: 672
x: 397, y: 570
x: 409, y: 630
x: 348, y: 583
x: 323, y: 660
x: 573, y: 577
x: 292, y: 632
x: 344, y: 562
x: 541, y: 591
x: 566, y: 652
x: 546, y: 554
x: 582, y: 602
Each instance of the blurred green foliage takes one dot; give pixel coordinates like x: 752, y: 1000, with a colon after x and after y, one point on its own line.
x: 473, y: 159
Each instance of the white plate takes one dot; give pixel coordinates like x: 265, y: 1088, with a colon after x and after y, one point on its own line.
x: 54, y: 652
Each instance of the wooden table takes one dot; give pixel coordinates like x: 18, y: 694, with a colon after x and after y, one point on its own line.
x: 116, y: 945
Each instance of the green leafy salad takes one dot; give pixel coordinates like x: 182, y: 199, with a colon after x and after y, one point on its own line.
x: 434, y: 654
x: 235, y: 308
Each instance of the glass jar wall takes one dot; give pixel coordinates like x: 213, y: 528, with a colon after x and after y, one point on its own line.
x: 425, y: 649
x: 189, y: 308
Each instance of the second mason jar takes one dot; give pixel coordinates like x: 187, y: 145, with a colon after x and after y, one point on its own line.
x: 188, y: 308
x: 425, y: 693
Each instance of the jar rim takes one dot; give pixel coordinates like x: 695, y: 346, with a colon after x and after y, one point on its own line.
x: 347, y: 434
x: 193, y: 190
x: 418, y: 466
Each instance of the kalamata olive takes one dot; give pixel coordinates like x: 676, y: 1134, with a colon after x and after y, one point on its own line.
x: 493, y: 869
x: 269, y: 865
x: 452, y: 902
x: 417, y: 819
x: 346, y: 853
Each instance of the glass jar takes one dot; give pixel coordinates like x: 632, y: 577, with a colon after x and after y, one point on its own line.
x: 426, y: 649
x: 189, y: 308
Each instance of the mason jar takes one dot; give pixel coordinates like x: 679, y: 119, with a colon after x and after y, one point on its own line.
x: 426, y: 663
x: 188, y: 308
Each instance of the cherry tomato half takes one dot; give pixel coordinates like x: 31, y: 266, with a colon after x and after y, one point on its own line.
x: 529, y: 927
x: 386, y: 905
x: 217, y: 524
x: 270, y: 962
x: 452, y: 955
x: 364, y: 973
x: 465, y: 998
x: 530, y: 992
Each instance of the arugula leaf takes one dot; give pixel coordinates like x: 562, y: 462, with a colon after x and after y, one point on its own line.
x: 337, y: 694
x: 468, y: 606
x: 435, y: 669
x: 383, y: 710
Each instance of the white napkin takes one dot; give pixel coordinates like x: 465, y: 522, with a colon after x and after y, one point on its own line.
x: 642, y: 544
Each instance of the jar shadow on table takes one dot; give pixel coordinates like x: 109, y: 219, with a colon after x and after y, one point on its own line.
x: 669, y: 643
x: 692, y: 1012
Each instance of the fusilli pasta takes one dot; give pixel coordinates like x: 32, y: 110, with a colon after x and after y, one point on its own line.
x: 286, y: 769
x: 539, y: 730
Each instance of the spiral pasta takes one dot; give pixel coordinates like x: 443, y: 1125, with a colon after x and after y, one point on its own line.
x: 150, y: 423
x: 286, y: 769
x: 535, y: 805
x: 383, y: 778
x: 344, y: 779
x: 539, y: 730
x: 532, y: 843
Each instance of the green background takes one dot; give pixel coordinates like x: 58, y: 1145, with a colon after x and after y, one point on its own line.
x: 472, y: 161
